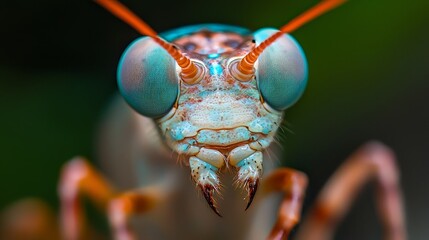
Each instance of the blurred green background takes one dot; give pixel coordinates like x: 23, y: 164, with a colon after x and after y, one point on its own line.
x: 369, y: 72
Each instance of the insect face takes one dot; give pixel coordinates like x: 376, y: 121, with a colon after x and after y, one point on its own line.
x: 216, y: 91
x: 218, y: 120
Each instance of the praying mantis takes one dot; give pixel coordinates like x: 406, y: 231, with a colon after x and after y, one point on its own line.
x: 212, y: 97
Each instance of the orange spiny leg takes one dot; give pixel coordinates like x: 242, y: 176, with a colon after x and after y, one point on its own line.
x: 293, y: 184
x: 373, y: 160
x: 79, y: 178
x: 125, y: 205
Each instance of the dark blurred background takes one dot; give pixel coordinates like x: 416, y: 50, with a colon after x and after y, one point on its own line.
x: 369, y: 72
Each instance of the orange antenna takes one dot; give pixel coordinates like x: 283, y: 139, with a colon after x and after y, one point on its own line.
x: 244, y: 71
x: 190, y: 72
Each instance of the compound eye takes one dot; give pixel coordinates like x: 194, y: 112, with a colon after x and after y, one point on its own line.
x: 281, y: 70
x: 147, y: 78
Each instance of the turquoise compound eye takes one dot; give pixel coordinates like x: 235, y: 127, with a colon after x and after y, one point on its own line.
x: 147, y: 78
x: 281, y: 71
